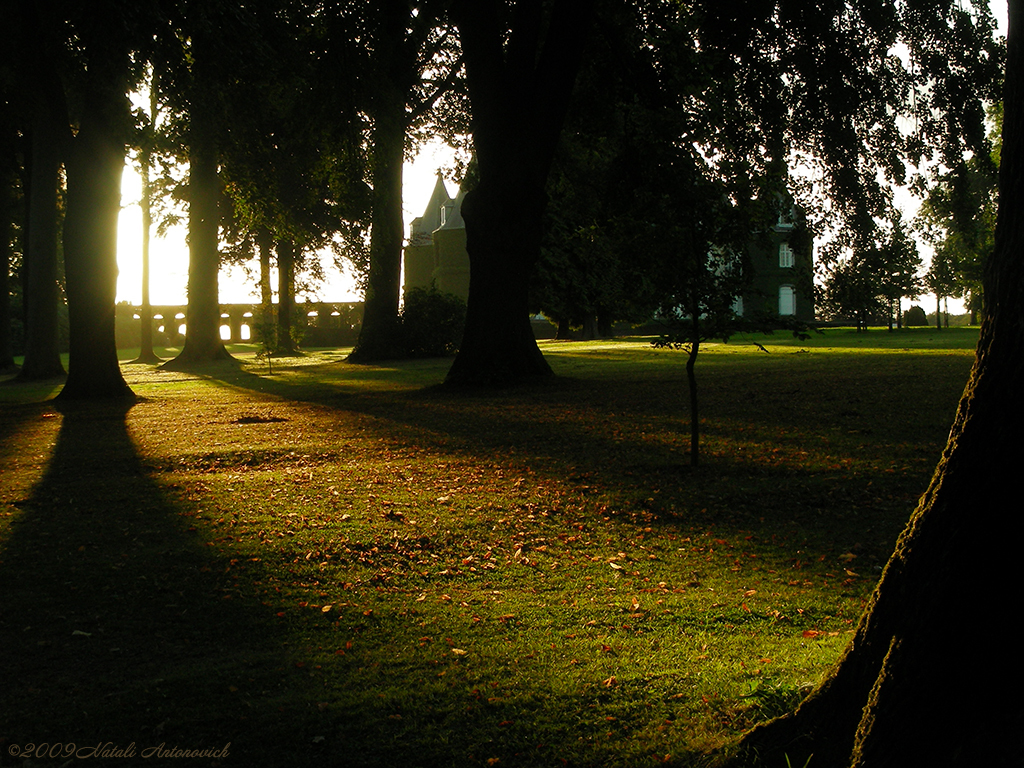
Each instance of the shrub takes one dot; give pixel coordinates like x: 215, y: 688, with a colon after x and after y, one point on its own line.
x: 915, y: 316
x: 432, y: 322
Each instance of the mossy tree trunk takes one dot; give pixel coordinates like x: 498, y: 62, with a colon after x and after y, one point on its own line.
x: 930, y: 676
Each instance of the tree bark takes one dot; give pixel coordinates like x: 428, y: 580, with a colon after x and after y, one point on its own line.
x: 94, y: 168
x: 285, y: 295
x: 264, y: 244
x: 7, y: 198
x: 380, y: 334
x: 917, y: 684
x: 47, y: 133
x: 202, y: 332
x: 520, y: 94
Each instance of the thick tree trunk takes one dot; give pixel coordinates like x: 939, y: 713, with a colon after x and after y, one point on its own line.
x: 520, y: 90
x: 285, y: 296
x: 41, y: 288
x: 47, y: 119
x: 202, y: 333
x: 95, y: 165
x: 919, y: 684
x: 503, y: 241
x: 380, y: 335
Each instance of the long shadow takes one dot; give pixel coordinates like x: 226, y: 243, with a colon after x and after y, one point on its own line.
x: 120, y: 627
x: 496, y: 425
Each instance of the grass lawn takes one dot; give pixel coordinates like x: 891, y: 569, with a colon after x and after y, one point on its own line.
x: 346, y: 565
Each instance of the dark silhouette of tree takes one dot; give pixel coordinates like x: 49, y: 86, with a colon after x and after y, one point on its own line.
x: 207, y: 30
x: 293, y: 159
x: 958, y: 218
x: 95, y: 161
x: 411, y: 62
x: 906, y: 690
x: 868, y: 285
x: 39, y: 91
x: 776, y: 81
x: 147, y: 140
x: 521, y: 64
x: 8, y: 217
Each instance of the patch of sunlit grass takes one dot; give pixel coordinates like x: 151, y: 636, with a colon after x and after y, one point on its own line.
x: 338, y: 563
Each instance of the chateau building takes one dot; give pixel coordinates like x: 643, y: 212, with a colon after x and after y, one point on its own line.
x: 780, y: 272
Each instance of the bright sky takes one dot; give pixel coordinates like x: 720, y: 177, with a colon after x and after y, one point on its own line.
x: 169, y: 255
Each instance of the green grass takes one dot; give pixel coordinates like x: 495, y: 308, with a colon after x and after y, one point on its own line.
x: 348, y: 565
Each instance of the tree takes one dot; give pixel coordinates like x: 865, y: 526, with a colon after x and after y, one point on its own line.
x: 519, y: 91
x: 45, y: 122
x: 899, y: 265
x: 206, y: 31
x: 8, y: 217
x: 870, y: 283
x: 758, y: 89
x: 406, y: 42
x: 147, y: 150
x: 94, y: 165
x: 958, y: 217
x: 906, y: 691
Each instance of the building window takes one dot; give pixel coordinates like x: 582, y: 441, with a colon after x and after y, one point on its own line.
x: 444, y: 215
x: 787, y: 300
x: 785, y: 255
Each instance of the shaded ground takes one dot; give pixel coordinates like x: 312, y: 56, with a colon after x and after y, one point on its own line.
x: 336, y: 564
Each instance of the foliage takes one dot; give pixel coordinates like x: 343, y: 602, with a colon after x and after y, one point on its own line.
x: 869, y: 283
x: 958, y: 218
x: 915, y: 316
x: 432, y: 322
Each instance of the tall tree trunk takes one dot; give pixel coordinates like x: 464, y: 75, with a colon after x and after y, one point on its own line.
x: 264, y: 245
x: 7, y: 207
x: 285, y: 295
x: 913, y: 686
x: 202, y: 332
x: 380, y: 335
x: 94, y: 167
x: 146, y: 353
x: 47, y: 132
x: 520, y: 92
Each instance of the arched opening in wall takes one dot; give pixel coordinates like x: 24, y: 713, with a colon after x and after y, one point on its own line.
x: 245, y: 330
x: 311, y: 318
x: 787, y: 300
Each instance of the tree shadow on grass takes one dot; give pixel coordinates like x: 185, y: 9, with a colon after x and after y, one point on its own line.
x: 119, y: 626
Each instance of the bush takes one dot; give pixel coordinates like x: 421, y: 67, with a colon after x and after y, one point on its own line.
x: 432, y: 322
x: 915, y: 316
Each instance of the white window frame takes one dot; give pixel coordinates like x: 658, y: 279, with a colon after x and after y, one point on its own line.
x: 786, y: 257
x: 787, y: 300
